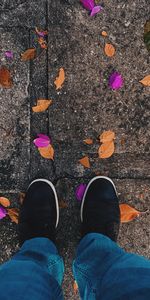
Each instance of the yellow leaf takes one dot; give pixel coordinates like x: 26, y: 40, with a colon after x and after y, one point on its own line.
x: 85, y: 162
x: 5, y: 78
x: 4, y: 201
x: 42, y: 105
x: 104, y: 33
x: 28, y: 54
x: 109, y: 50
x: 75, y: 287
x: 60, y: 79
x: 47, y: 152
x: 107, y: 136
x: 128, y: 213
x: 146, y: 80
x: 106, y: 150
x: 13, y: 213
x: 88, y: 141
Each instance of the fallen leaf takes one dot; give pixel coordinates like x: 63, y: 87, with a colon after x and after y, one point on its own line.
x: 5, y: 77
x: 4, y: 201
x: 21, y: 197
x: 28, y: 54
x: 80, y: 190
x: 128, y: 213
x: 42, y: 105
x: 75, y: 287
x: 85, y: 162
x: 9, y: 54
x: 146, y: 80
x: 3, y: 212
x: 13, y: 213
x: 62, y: 204
x: 42, y: 140
x: 88, y: 141
x: 60, y: 79
x: 123, y: 142
x: 104, y: 33
x: 115, y: 81
x: 106, y: 150
x: 42, y: 42
x: 107, y: 136
x: 109, y: 50
x: 41, y: 33
x: 147, y: 35
x: 47, y: 152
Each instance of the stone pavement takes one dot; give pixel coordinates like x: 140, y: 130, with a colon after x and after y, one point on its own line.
x: 83, y: 108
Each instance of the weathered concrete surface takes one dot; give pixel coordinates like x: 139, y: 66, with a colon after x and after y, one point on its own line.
x: 83, y: 108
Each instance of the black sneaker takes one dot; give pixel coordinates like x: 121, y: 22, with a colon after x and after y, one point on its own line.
x: 100, y: 211
x: 39, y: 214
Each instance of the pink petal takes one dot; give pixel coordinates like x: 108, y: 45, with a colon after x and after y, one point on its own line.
x: 44, y: 136
x: 95, y: 10
x: 42, y: 141
x: 88, y: 4
x: 3, y: 212
x: 80, y: 190
x: 115, y: 81
x: 9, y: 54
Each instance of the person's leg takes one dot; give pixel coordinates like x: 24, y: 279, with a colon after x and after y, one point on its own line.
x: 102, y: 269
x: 36, y: 271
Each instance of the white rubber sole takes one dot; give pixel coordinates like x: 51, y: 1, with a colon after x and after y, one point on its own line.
x: 54, y: 190
x: 93, y: 179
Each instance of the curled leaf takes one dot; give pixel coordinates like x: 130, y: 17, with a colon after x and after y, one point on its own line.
x: 13, y: 213
x: 5, y: 77
x: 60, y: 79
x: 115, y: 81
x: 4, y: 201
x: 47, y: 152
x: 42, y: 141
x: 3, y: 212
x: 146, y: 80
x: 80, y: 190
x: 28, y: 54
x: 88, y: 141
x: 106, y: 150
x: 85, y: 162
x: 109, y: 50
x: 128, y: 213
x: 104, y: 33
x: 9, y: 54
x: 42, y: 105
x: 107, y: 136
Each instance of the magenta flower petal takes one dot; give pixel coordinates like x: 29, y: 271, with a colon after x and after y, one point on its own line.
x: 88, y: 4
x: 9, y: 54
x: 43, y: 136
x: 80, y: 190
x: 95, y: 10
x: 115, y: 81
x: 42, y: 141
x: 3, y: 212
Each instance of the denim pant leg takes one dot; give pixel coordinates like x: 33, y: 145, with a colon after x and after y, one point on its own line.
x: 104, y: 271
x: 35, y: 273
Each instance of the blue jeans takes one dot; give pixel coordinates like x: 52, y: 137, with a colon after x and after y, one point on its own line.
x: 101, y: 269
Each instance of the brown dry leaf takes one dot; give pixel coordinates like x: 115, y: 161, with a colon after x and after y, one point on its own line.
x: 4, y: 201
x: 75, y: 287
x: 88, y: 141
x: 122, y: 142
x: 28, y: 54
x: 21, y: 197
x: 5, y: 78
x: 62, y: 204
x: 60, y: 79
x: 13, y: 213
x: 146, y: 80
x: 47, y: 152
x: 104, y: 33
x: 42, y: 105
x: 109, y: 50
x: 85, y: 162
x: 107, y: 136
x: 128, y: 213
x: 106, y: 150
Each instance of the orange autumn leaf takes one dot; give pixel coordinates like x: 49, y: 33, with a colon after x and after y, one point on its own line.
x: 5, y: 78
x: 60, y: 79
x: 42, y: 42
x: 75, y: 287
x: 13, y: 213
x: 128, y: 213
x: 107, y: 136
x: 28, y: 54
x: 47, y: 152
x: 85, y: 162
x: 88, y: 141
x: 42, y: 105
x: 4, y: 201
x: 106, y: 150
x: 104, y: 33
x: 109, y: 50
x: 146, y: 80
